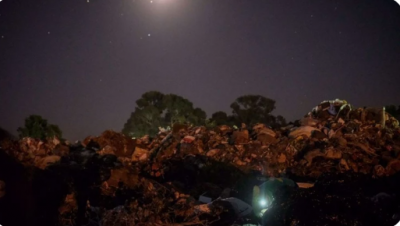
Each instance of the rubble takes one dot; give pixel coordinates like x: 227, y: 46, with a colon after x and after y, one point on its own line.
x: 113, y: 179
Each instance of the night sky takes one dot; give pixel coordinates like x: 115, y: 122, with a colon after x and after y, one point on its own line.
x: 82, y: 64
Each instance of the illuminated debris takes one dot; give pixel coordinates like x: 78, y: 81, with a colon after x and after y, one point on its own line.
x: 158, y: 180
x: 68, y: 209
x: 112, y: 142
x: 264, y: 134
x: 46, y: 161
x: 140, y: 154
x: 304, y: 185
x: 328, y: 108
x: 304, y: 131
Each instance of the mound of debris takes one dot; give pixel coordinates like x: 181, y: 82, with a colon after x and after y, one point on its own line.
x: 184, y: 175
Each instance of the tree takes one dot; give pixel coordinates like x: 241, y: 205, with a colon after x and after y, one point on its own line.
x: 219, y: 118
x: 198, y: 117
x: 38, y: 127
x: 281, y: 121
x: 151, y: 98
x: 147, y: 115
x: 178, y: 109
x: 155, y: 110
x: 251, y: 109
x: 277, y: 122
x: 53, y: 131
x: 143, y: 121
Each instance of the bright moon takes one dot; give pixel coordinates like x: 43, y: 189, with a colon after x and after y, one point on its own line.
x: 398, y: 1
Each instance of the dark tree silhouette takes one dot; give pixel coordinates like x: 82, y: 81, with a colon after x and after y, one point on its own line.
x: 252, y: 109
x: 38, y: 127
x: 155, y: 110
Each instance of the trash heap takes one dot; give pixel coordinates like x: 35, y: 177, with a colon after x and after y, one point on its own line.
x: 36, y: 153
x: 115, y: 180
x: 364, y: 140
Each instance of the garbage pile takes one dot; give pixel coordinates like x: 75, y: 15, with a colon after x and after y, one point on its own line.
x: 31, y: 152
x: 364, y: 140
x: 163, y: 180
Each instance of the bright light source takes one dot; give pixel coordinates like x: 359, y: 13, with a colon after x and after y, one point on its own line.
x: 263, y: 202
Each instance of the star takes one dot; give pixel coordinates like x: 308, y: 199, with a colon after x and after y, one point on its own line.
x: 149, y: 35
x: 48, y: 32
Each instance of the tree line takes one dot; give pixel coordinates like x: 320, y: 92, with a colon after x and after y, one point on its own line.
x: 155, y: 110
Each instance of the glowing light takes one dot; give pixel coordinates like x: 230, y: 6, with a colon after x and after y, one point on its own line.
x: 263, y: 202
x: 398, y: 2
x: 398, y: 224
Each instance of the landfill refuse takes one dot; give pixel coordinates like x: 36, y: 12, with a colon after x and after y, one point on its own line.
x: 191, y: 175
